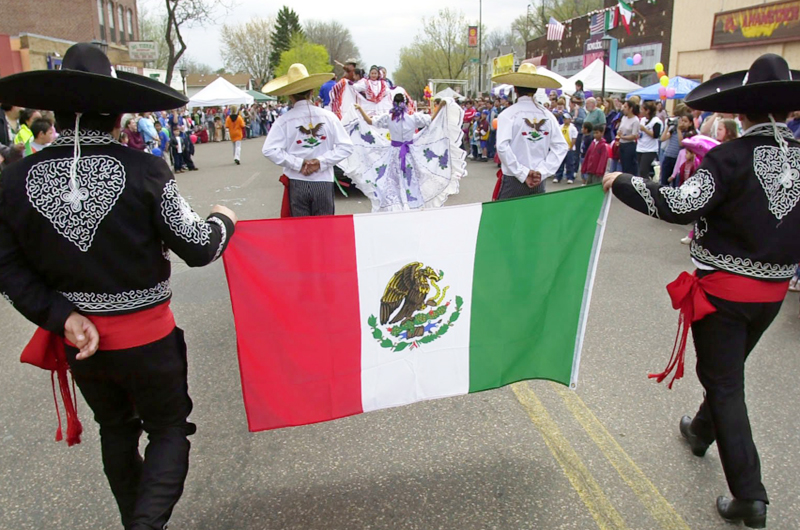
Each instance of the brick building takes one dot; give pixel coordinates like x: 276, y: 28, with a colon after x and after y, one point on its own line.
x: 651, y: 31
x: 35, y: 35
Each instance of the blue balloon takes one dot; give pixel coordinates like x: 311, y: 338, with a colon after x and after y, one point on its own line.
x: 157, y: 152
x: 629, y: 60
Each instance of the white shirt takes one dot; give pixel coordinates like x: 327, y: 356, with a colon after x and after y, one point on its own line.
x: 304, y: 133
x: 647, y: 144
x: 628, y: 126
x: 533, y: 145
x: 403, y: 130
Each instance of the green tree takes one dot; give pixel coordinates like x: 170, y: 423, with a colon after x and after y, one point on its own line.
x: 286, y: 27
x: 313, y: 56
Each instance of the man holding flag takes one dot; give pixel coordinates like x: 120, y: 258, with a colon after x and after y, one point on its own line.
x: 743, y: 200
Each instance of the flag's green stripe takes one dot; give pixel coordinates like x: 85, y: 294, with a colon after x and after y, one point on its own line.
x: 531, y: 263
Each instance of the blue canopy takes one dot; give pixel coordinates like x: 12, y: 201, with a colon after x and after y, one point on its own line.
x: 681, y: 85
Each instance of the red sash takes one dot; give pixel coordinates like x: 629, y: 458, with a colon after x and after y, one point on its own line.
x: 688, y: 294
x: 46, y: 350
x: 286, y: 209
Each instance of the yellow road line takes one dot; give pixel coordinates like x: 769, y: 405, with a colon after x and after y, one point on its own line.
x: 661, y: 510
x: 587, y: 488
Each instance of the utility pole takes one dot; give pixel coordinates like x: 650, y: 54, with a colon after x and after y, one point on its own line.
x: 480, y: 47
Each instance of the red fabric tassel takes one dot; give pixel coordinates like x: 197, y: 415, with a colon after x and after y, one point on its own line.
x: 496, y: 192
x: 688, y: 294
x: 286, y: 209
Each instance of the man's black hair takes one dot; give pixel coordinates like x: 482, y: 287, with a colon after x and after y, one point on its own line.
x: 300, y: 96
x: 25, y: 115
x: 40, y: 126
x: 524, y: 91
x: 5, y: 107
x: 89, y: 122
x: 780, y: 117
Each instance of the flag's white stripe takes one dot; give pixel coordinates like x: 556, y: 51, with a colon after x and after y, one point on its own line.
x: 443, y: 239
x: 602, y: 221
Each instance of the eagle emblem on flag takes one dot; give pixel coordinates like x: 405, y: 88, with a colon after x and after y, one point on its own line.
x: 409, y: 314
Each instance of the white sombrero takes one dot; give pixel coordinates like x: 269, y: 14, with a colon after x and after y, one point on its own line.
x: 296, y: 81
x: 526, y: 77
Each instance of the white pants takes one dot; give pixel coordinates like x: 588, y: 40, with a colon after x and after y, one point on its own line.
x: 237, y: 150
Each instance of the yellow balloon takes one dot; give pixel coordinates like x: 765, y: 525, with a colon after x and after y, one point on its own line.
x: 659, y: 67
x: 665, y: 80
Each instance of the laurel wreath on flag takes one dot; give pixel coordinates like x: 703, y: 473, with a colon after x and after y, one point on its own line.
x: 418, y: 319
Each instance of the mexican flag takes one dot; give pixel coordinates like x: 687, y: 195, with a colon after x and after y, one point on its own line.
x: 347, y: 314
x: 625, y: 12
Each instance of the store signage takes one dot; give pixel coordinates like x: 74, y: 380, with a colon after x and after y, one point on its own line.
x: 775, y: 22
x: 567, y: 66
x: 142, y: 51
x: 503, y: 64
x: 651, y: 56
x: 593, y: 50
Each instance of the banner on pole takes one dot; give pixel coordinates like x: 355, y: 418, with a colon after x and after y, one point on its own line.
x: 503, y: 64
x: 472, y: 37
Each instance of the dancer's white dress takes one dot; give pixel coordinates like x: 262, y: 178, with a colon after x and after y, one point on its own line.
x: 434, y: 160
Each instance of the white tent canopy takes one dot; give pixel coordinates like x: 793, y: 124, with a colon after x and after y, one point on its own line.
x: 218, y: 93
x: 592, y: 77
x: 566, y: 87
x: 448, y: 93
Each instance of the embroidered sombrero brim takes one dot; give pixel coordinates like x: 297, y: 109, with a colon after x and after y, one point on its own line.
x: 525, y: 80
x: 78, y: 91
x: 729, y: 93
x: 282, y: 86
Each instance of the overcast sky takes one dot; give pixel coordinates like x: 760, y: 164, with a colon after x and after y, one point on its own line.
x: 379, y: 29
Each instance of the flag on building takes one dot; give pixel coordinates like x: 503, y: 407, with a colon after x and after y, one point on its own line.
x: 347, y: 314
x: 555, y: 30
x: 597, y: 25
x: 611, y: 18
x: 625, y: 15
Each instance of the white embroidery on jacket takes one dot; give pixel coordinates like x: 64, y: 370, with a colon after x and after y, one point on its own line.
x: 75, y: 211
x: 67, y: 138
x: 779, y: 175
x: 135, y: 299
x: 641, y: 188
x: 180, y: 217
x: 744, y: 266
x: 224, y: 237
x: 692, y: 195
x: 700, y: 228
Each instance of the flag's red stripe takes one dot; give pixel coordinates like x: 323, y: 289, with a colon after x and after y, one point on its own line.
x: 300, y: 362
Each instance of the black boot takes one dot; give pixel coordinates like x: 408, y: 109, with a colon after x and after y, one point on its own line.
x: 699, y: 447
x: 752, y: 513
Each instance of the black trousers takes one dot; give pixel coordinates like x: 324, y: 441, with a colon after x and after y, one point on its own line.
x: 129, y: 391
x: 627, y: 156
x: 511, y: 188
x: 311, y: 198
x: 723, y: 341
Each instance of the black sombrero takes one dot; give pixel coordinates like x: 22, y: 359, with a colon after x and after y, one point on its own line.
x: 88, y: 83
x: 769, y: 86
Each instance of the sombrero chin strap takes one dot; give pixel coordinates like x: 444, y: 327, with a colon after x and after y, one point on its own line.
x: 782, y: 143
x: 76, y: 154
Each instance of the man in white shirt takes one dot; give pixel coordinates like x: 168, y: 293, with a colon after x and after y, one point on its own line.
x: 307, y: 141
x: 529, y: 140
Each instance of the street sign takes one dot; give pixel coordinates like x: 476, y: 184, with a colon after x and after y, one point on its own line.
x: 142, y: 51
x: 474, y: 60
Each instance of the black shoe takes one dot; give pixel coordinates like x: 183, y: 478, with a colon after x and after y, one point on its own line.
x: 752, y: 513
x: 699, y: 447
x: 237, y: 162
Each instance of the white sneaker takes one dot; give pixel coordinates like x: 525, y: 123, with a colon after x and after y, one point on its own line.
x: 794, y: 285
x: 570, y: 182
x: 686, y: 240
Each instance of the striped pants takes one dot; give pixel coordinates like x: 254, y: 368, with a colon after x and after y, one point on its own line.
x: 311, y: 198
x: 510, y: 188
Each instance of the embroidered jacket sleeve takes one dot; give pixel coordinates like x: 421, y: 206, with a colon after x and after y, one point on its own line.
x: 696, y: 197
x: 276, y: 148
x: 382, y: 121
x: 21, y: 285
x: 421, y: 120
x: 196, y: 240
x: 342, y: 146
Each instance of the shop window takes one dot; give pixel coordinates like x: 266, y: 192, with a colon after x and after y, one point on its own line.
x: 121, y: 21
x: 112, y: 32
x: 101, y: 12
x: 130, y: 25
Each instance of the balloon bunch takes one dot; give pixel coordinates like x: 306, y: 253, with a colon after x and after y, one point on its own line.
x: 634, y: 60
x: 427, y: 92
x: 664, y: 92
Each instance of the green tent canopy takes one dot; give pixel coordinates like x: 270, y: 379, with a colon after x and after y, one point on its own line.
x: 261, y: 97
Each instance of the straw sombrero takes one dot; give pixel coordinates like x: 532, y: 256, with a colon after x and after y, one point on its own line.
x: 297, y: 80
x: 526, y: 77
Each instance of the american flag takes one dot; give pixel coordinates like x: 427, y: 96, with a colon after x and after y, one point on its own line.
x: 598, y: 24
x: 555, y: 30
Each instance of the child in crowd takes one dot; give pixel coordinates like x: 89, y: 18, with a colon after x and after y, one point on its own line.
x: 586, y: 139
x: 177, y: 146
x: 163, y: 138
x: 43, y: 134
x: 123, y: 139
x: 188, y: 152
x: 594, y: 165
x: 727, y: 130
x: 695, y: 148
x: 570, y: 134
x: 476, y: 139
x: 485, y: 131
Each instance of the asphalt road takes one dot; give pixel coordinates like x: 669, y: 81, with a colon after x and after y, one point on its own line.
x: 530, y: 456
